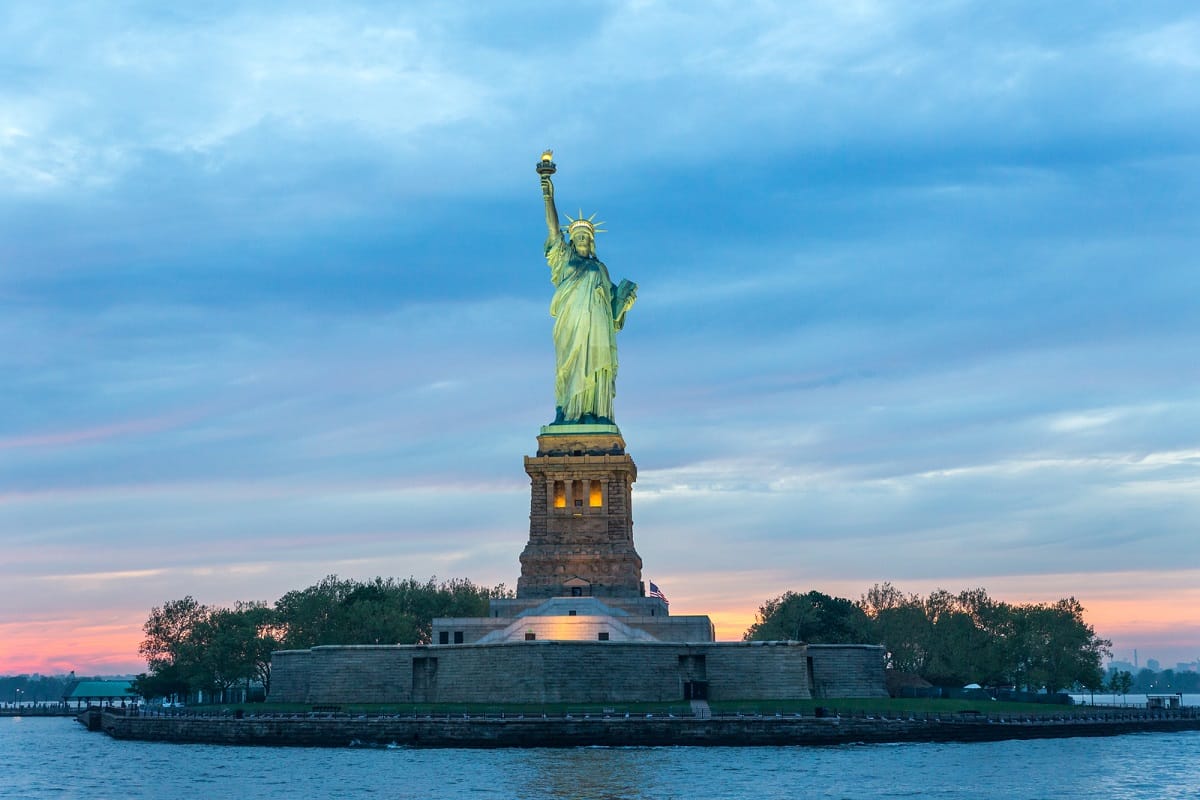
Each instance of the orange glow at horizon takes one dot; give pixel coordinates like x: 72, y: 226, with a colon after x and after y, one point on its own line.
x: 1109, y: 619
x: 1149, y: 605
x: 1150, y: 611
x: 89, y: 646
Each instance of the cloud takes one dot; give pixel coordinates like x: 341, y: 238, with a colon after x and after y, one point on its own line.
x: 917, y: 290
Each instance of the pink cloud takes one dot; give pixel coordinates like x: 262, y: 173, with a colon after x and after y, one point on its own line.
x: 101, y: 433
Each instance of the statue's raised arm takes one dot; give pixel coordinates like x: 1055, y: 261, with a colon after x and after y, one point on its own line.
x: 546, y: 167
x: 588, y: 310
x: 551, y: 211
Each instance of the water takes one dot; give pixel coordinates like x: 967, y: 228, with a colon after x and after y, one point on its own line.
x: 56, y: 758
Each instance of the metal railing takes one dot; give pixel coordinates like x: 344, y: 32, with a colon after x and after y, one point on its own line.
x: 1088, y: 714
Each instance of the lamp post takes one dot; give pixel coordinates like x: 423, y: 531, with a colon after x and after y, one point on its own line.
x: 17, y: 697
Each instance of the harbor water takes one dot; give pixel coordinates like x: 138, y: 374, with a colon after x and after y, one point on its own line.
x: 56, y: 758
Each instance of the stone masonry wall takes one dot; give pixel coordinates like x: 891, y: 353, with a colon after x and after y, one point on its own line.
x: 689, y: 628
x: 847, y: 670
x: 757, y: 671
x: 457, y: 731
x: 290, y: 674
x: 340, y: 674
x: 539, y: 672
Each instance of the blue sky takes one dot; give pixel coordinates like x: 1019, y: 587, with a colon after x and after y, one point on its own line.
x: 918, y: 300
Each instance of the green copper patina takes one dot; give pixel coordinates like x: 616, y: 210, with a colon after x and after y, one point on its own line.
x: 588, y: 310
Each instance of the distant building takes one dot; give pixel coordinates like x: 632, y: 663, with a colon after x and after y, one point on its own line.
x: 1164, y: 700
x: 101, y: 693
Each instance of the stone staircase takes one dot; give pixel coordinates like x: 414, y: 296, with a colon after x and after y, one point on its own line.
x: 701, y: 710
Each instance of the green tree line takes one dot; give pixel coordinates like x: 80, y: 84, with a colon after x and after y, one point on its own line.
x: 33, y: 688
x: 189, y: 646
x: 949, y: 639
x: 1148, y: 681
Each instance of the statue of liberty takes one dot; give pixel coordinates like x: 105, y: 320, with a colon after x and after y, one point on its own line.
x: 588, y: 310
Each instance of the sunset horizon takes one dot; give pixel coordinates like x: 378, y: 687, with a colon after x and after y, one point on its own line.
x: 110, y: 646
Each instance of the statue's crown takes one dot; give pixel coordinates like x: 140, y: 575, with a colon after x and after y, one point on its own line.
x: 583, y: 222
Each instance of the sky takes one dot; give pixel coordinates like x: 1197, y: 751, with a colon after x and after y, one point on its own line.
x: 918, y: 300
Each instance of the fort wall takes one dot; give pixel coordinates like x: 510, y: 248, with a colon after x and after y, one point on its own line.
x: 573, y: 672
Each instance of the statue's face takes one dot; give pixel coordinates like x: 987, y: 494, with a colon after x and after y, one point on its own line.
x: 582, y: 240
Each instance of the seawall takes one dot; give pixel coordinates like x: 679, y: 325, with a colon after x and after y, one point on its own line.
x: 335, y: 730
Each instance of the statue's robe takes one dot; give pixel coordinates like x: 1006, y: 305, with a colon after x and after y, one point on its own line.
x: 584, y: 307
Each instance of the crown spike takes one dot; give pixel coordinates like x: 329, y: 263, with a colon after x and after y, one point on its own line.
x: 584, y: 222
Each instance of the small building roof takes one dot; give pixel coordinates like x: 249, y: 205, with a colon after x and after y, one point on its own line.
x: 100, y: 690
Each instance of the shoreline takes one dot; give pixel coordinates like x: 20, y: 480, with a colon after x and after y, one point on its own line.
x: 344, y: 730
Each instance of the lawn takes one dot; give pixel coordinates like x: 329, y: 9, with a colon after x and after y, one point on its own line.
x: 887, y: 705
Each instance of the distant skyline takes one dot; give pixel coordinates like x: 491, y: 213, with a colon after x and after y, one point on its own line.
x: 918, y: 301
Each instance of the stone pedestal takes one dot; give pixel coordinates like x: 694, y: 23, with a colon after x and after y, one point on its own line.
x: 580, y: 516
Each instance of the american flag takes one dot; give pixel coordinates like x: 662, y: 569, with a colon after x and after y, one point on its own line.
x: 657, y: 592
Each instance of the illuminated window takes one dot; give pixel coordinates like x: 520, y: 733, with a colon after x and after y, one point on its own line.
x: 596, y: 497
x: 560, y: 494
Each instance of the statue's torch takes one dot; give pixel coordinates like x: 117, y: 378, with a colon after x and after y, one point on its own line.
x: 546, y: 165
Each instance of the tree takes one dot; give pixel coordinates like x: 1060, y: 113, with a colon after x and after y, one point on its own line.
x: 1120, y: 682
x: 961, y: 652
x: 230, y: 646
x: 164, y: 681
x: 812, y: 617
x: 379, y: 611
x: 306, y: 616
x: 951, y: 639
x: 1061, y: 650
x: 261, y: 623
x: 901, y: 625
x: 168, y: 630
x: 995, y: 620
x: 189, y: 646
x: 946, y: 638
